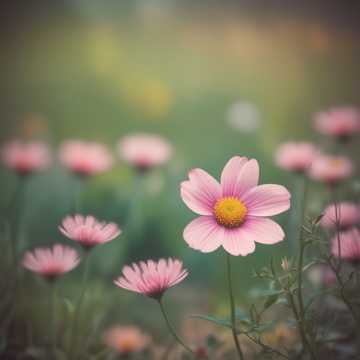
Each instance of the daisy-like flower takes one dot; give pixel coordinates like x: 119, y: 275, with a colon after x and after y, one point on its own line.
x: 295, y: 156
x: 25, y: 158
x: 126, y: 339
x: 233, y: 213
x: 346, y: 213
x: 88, y: 231
x: 340, y: 122
x: 331, y: 169
x: 152, y: 278
x: 144, y: 151
x: 85, y: 158
x: 51, y: 262
x: 349, y: 246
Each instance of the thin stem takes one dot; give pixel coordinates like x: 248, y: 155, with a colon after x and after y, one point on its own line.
x: 337, y: 226
x: 344, y: 298
x: 266, y: 347
x: 78, y: 193
x: 300, y: 313
x: 52, y: 301
x: 172, y: 330
x: 232, y: 308
x: 75, y: 324
x: 14, y: 209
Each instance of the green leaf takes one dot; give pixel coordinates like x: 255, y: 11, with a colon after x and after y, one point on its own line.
x: 270, y: 300
x: 265, y: 326
x: 220, y: 322
x: 256, y: 293
x: 69, y: 306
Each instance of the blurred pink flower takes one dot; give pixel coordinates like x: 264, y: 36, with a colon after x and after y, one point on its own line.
x: 348, y: 215
x: 88, y: 231
x: 349, y: 245
x: 85, y: 158
x: 340, y: 122
x: 126, y: 339
x: 295, y: 156
x: 25, y: 158
x: 51, y: 262
x: 144, y: 151
x: 152, y: 278
x: 331, y: 169
x: 321, y: 275
x: 234, y: 213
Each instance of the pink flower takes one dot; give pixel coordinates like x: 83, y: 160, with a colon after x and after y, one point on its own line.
x: 85, y: 158
x: 126, y: 339
x: 25, y: 158
x: 349, y: 245
x: 295, y: 156
x: 144, y: 151
x: 331, y: 169
x: 233, y: 213
x: 152, y: 278
x: 321, y: 275
x: 341, y: 122
x: 88, y: 231
x: 51, y: 262
x: 348, y: 215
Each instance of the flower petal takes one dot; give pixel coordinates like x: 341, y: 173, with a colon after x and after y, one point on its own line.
x: 230, y: 174
x: 204, y: 234
x: 237, y: 242
x: 263, y: 230
x: 267, y: 200
x: 201, y: 192
x: 248, y: 178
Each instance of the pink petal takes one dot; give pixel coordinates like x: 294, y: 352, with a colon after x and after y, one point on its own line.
x: 267, y: 200
x: 204, y: 234
x: 230, y: 174
x: 201, y: 192
x: 263, y: 230
x: 237, y: 242
x: 248, y: 178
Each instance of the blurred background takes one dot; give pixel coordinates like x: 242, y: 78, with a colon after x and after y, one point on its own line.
x: 214, y: 78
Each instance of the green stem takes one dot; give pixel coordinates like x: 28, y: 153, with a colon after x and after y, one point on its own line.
x: 337, y: 226
x: 232, y: 308
x: 172, y: 330
x: 78, y: 193
x: 300, y: 313
x: 52, y: 301
x: 75, y: 325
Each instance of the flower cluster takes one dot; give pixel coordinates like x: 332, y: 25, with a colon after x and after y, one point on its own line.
x: 87, y: 158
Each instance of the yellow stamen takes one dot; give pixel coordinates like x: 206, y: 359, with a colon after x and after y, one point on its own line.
x: 230, y: 212
x: 336, y: 163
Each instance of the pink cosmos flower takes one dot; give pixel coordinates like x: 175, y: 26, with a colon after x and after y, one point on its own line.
x: 341, y: 122
x: 88, y: 231
x: 348, y: 215
x: 349, y: 245
x: 25, y: 158
x: 51, y: 262
x: 295, y: 156
x: 126, y: 339
x: 144, y: 151
x: 152, y: 278
x: 233, y: 213
x: 85, y: 158
x: 331, y: 169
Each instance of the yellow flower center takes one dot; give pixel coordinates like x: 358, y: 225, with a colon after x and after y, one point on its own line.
x: 230, y: 212
x: 336, y: 163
